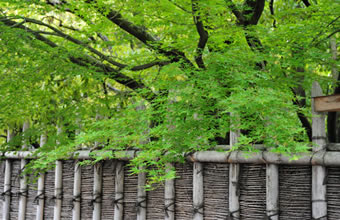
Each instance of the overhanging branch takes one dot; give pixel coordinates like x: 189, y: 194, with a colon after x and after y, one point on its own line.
x: 87, y: 61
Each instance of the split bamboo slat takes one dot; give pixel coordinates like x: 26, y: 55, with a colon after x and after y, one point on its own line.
x: 23, y: 191
x: 234, y: 178
x: 198, y: 191
x: 141, y: 196
x: 169, y: 197
x: 76, y: 192
x: 319, y: 203
x: 97, y: 191
x: 40, y: 198
x: 7, y: 183
x: 119, y: 193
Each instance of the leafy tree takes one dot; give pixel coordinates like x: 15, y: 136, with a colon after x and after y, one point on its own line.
x: 162, y: 76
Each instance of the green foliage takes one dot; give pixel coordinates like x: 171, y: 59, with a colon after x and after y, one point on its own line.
x: 79, y: 65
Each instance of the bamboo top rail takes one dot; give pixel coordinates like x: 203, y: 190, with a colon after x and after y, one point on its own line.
x: 324, y: 158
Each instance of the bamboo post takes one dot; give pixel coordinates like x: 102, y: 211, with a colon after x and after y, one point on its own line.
x: 7, y: 183
x: 58, y: 189
x: 169, y: 197
x: 119, y: 194
x: 7, y: 191
x: 23, y: 192
x: 41, y: 188
x: 319, y: 203
x: 198, y: 191
x: 76, y: 192
x: 272, y: 195
x: 97, y: 191
x: 58, y: 186
x: 234, y: 177
x: 141, y: 196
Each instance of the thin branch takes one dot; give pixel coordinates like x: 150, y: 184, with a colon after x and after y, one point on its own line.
x: 202, y: 33
x: 142, y: 34
x: 60, y: 23
x: 180, y: 7
x: 87, y: 61
x: 76, y: 41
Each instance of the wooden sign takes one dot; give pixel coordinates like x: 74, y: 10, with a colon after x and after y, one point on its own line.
x: 329, y: 103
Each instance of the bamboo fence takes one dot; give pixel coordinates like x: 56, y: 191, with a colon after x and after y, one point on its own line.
x: 211, y: 185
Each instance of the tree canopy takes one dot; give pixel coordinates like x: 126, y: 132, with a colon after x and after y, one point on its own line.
x: 163, y: 76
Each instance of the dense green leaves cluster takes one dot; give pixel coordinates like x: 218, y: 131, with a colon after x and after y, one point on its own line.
x: 162, y: 77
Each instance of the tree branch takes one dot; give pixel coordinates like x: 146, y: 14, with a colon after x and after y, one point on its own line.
x: 141, y: 34
x: 307, y: 4
x: 236, y: 12
x: 202, y: 33
x: 87, y: 61
x: 255, y: 9
x: 271, y: 7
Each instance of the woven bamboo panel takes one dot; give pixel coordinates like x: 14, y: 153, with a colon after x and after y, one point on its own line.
x: 108, y: 189
x: 2, y: 173
x: 31, y: 204
x: 183, y: 186
x: 86, y: 192
x: 155, y: 204
x: 68, y: 177
x: 130, y: 195
x: 333, y: 193
x: 253, y: 192
x: 15, y: 187
x: 216, y: 185
x: 49, y: 195
x: 295, y: 192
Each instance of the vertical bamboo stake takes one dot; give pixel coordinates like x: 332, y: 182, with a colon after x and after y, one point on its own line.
x: 198, y: 191
x: 76, y: 192
x: 41, y: 188
x: 119, y: 194
x: 58, y: 185
x: 272, y: 191
x: 58, y: 189
x: 97, y: 191
x: 141, y: 196
x: 319, y: 203
x: 169, y: 197
x: 7, y: 183
x: 23, y: 183
x: 234, y: 176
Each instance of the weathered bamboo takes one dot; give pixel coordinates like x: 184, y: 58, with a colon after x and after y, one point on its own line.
x: 141, y: 196
x: 76, y: 192
x: 23, y: 191
x: 41, y: 188
x: 169, y: 197
x: 330, y: 158
x: 319, y: 203
x: 198, y: 191
x: 97, y: 191
x: 119, y: 191
x: 58, y: 185
x: 7, y: 191
x: 234, y: 177
x: 58, y: 189
x: 272, y: 191
x: 7, y: 183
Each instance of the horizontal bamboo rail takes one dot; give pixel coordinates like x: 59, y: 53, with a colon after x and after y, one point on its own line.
x: 322, y: 158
